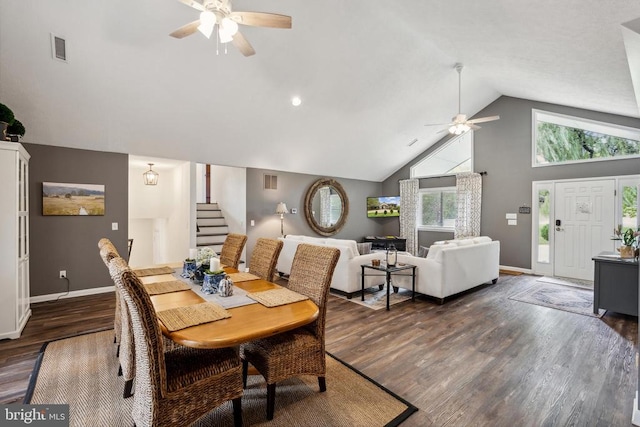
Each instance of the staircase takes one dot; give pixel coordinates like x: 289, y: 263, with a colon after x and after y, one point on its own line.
x: 212, y: 227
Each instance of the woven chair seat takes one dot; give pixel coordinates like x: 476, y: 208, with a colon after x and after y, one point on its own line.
x: 187, y: 365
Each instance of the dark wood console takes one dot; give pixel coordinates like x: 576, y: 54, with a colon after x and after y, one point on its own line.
x: 383, y: 242
x: 615, y: 284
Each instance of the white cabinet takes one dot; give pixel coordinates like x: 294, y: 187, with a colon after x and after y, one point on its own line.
x: 14, y: 239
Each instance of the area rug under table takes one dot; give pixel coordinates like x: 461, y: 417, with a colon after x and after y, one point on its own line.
x: 573, y: 299
x: 82, y: 372
x: 377, y: 299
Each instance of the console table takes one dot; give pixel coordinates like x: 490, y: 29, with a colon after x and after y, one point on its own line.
x: 383, y: 242
x: 615, y: 284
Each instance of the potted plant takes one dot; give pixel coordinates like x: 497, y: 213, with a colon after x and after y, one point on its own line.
x: 6, y: 119
x: 15, y: 131
x: 188, y: 267
x: 629, y: 241
x: 212, y: 280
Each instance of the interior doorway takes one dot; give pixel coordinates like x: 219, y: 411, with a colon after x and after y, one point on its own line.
x: 573, y: 220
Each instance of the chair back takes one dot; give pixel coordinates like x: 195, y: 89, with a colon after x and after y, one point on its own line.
x: 107, y: 253
x: 264, y: 258
x: 106, y: 245
x: 311, y: 274
x: 151, y: 377
x: 232, y: 249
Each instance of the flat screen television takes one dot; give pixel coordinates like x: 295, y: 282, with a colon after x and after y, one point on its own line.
x: 383, y: 206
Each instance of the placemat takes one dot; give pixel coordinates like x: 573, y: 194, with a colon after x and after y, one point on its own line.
x: 242, y: 277
x: 142, y: 272
x: 178, y: 318
x: 157, y: 288
x: 276, y: 297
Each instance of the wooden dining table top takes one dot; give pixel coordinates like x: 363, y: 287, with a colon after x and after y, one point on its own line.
x: 247, y: 322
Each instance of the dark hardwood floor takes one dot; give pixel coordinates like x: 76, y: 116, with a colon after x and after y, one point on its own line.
x: 480, y: 359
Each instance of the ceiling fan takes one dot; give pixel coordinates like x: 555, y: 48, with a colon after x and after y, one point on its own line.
x: 219, y: 12
x: 459, y: 123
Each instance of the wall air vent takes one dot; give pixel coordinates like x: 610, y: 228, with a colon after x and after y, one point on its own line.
x: 270, y: 182
x: 58, y: 48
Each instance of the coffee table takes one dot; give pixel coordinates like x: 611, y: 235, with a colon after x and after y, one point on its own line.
x: 388, y: 270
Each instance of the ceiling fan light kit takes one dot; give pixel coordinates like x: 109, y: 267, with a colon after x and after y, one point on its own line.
x: 459, y: 123
x: 219, y: 12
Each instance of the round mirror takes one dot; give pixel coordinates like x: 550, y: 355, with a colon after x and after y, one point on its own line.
x: 326, y: 206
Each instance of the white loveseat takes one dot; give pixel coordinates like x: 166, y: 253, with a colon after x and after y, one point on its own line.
x: 348, y: 273
x: 452, y: 267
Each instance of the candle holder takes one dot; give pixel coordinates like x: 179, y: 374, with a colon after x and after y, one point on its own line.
x: 392, y: 255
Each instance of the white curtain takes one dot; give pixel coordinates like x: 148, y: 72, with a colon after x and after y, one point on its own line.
x: 325, y: 206
x: 469, y: 198
x: 408, y: 212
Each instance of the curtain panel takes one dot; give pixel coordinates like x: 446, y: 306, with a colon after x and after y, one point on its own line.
x: 408, y: 213
x: 469, y: 200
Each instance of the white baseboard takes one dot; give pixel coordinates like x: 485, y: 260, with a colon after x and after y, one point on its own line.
x: 72, y: 294
x: 518, y: 269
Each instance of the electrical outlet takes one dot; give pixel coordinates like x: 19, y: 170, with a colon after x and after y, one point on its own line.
x: 63, y: 274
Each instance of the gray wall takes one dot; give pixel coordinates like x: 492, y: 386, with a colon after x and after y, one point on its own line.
x: 503, y: 149
x: 71, y: 242
x: 292, y: 187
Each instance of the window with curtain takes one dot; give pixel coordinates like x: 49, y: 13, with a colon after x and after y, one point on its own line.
x: 437, y: 209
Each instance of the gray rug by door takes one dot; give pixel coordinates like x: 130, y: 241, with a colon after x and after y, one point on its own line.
x: 81, y: 371
x: 561, y: 297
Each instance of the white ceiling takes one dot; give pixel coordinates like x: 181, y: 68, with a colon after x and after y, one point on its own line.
x: 370, y: 75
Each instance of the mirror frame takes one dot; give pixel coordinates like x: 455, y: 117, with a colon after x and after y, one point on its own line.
x: 308, y: 212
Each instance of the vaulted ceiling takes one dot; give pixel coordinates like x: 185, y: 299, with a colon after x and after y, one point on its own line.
x: 370, y: 75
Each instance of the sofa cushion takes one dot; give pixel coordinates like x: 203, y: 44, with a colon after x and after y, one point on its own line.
x: 351, y: 244
x: 434, y: 250
x: 464, y: 242
x: 364, y: 248
x: 481, y: 239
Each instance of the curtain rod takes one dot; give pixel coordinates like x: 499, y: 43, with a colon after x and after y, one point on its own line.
x: 446, y: 176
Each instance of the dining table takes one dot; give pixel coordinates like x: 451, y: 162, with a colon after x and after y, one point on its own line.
x: 246, y: 323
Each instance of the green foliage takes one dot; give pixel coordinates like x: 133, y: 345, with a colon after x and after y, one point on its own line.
x: 544, y: 233
x: 6, y: 115
x: 16, y: 128
x: 629, y: 202
x: 557, y: 143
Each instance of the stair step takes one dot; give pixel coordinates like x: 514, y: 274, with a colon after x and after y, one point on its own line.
x: 207, y: 206
x: 209, y: 214
x: 215, y: 229
x: 211, y: 222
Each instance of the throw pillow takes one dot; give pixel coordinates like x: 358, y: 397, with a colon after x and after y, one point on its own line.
x: 423, y: 251
x: 364, y: 248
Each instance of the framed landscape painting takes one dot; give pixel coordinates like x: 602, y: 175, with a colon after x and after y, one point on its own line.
x: 72, y: 199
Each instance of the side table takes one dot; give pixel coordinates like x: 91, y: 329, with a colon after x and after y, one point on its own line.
x: 388, y: 271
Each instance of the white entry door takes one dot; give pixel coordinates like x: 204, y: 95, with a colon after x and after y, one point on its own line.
x: 584, y: 222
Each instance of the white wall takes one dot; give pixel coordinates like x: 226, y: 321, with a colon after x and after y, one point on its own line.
x: 159, y: 216
x: 229, y: 189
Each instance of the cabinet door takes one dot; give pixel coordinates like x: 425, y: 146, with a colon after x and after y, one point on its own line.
x: 23, y: 289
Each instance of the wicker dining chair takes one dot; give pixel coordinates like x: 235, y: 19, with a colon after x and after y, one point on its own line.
x: 300, y: 351
x: 178, y: 387
x: 106, y: 247
x: 265, y: 257
x: 122, y: 324
x: 232, y: 249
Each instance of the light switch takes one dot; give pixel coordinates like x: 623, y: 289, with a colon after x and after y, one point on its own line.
x: 114, y: 226
x: 253, y: 223
x: 512, y: 222
x: 512, y: 216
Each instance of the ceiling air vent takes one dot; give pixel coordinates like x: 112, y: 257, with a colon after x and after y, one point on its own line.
x: 270, y: 182
x: 59, y: 48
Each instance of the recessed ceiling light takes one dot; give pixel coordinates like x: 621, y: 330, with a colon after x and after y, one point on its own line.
x: 295, y: 101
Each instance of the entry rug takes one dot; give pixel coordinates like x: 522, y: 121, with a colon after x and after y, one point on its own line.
x: 82, y: 371
x: 561, y: 297
x: 377, y: 299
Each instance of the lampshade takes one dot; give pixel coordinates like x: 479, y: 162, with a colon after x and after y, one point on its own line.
x: 282, y: 208
x: 229, y: 26
x: 150, y: 177
x: 459, y: 128
x: 207, y: 22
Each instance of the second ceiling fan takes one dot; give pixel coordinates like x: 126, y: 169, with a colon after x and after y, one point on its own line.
x: 218, y: 12
x: 459, y: 123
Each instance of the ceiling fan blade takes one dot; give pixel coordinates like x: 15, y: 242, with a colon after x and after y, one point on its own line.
x: 484, y: 119
x: 261, y: 19
x: 472, y: 126
x: 242, y: 44
x: 186, y: 30
x: 194, y: 4
x: 442, y: 131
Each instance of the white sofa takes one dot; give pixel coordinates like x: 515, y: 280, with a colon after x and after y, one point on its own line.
x: 452, y: 267
x: 348, y: 273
